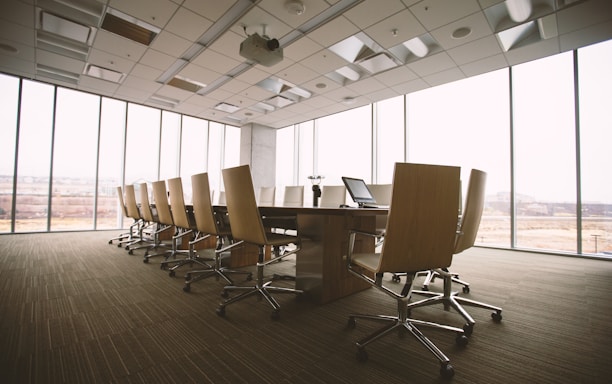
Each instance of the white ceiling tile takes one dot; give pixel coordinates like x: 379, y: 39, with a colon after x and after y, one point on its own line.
x: 334, y: 31
x: 215, y: 61
x: 188, y: 24
x: 476, y: 22
x: 475, y: 50
x: 368, y: 13
x: 170, y: 44
x: 155, y: 12
x: 431, y: 64
x: 485, y: 65
x: 436, y: 13
x: 301, y: 49
x: 396, y: 29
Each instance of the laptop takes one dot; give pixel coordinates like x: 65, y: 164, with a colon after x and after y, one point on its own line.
x: 360, y: 193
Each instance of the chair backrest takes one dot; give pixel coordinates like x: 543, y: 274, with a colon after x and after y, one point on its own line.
x: 381, y: 193
x: 244, y: 216
x: 422, y: 223
x: 333, y: 196
x: 121, y: 201
x: 145, y: 205
x: 162, y: 207
x: 177, y: 203
x: 266, y: 196
x: 294, y: 196
x: 203, y: 211
x: 130, y: 202
x: 472, y: 211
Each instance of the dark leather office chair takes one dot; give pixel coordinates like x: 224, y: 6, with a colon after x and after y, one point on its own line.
x: 247, y: 226
x: 465, y: 238
x: 209, y: 223
x: 420, y: 234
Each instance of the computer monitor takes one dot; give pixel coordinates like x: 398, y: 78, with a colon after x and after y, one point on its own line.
x: 359, y: 191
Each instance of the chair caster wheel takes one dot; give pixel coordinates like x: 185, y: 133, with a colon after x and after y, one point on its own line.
x: 352, y: 323
x: 220, y: 311
x: 447, y: 371
x: 466, y: 289
x: 425, y: 288
x: 110, y: 241
x: 362, y: 355
x: 462, y: 340
x: 396, y: 278
x: 171, y: 273
x: 275, y: 315
x: 130, y: 252
x: 186, y: 288
x: 145, y: 260
x: 496, y: 316
x: 188, y: 276
x: 468, y: 329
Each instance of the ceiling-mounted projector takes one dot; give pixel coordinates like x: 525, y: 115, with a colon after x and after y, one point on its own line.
x: 261, y: 50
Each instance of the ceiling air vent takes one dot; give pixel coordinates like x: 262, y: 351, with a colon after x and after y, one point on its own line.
x: 129, y: 27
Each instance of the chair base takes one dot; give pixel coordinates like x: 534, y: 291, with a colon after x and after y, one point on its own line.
x: 201, y: 274
x: 264, y: 290
x: 407, y: 325
x: 452, y: 300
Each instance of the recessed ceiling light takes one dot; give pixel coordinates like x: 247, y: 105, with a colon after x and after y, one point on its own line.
x: 321, y: 85
x: 348, y: 100
x: 461, y: 33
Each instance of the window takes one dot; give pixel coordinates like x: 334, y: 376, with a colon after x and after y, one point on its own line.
x: 9, y: 96
x: 545, y: 154
x: 595, y: 94
x: 142, y: 144
x: 466, y: 123
x: 75, y: 156
x: 390, y: 141
x: 34, y: 157
x: 170, y: 145
x: 110, y: 163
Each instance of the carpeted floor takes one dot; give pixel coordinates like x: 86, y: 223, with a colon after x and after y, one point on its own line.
x: 74, y: 309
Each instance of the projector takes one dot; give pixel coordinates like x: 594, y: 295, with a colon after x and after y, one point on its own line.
x: 261, y: 50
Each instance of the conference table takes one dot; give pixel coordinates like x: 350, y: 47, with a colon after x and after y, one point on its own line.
x: 321, y: 270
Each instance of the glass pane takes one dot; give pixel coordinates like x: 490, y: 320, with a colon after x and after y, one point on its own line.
x: 285, y: 156
x: 466, y: 123
x: 170, y: 145
x: 215, y: 153
x: 142, y: 144
x: 110, y: 166
x: 349, y: 133
x: 595, y: 81
x: 75, y: 154
x: 34, y: 157
x: 389, y: 137
x: 194, y: 156
x: 545, y: 154
x: 9, y: 95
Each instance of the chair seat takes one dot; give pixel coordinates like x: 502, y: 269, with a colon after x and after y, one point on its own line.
x: 277, y: 239
x: 368, y: 261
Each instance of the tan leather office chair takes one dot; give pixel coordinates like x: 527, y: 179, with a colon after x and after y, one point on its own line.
x: 465, y: 238
x: 124, y: 236
x: 247, y: 226
x: 294, y: 196
x: 139, y: 223
x: 381, y: 193
x: 153, y: 238
x: 184, y: 230
x: 266, y: 196
x: 209, y: 223
x: 164, y: 217
x: 332, y: 196
x: 420, y: 235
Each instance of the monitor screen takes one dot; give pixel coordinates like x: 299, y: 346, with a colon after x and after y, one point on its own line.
x: 358, y: 190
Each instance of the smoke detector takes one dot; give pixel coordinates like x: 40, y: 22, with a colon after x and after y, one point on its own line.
x: 295, y: 7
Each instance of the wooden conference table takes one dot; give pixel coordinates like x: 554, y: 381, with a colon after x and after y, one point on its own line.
x: 321, y: 270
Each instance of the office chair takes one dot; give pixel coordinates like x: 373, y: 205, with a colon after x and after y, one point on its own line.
x: 209, y: 223
x: 332, y: 196
x: 266, y: 196
x: 156, y: 232
x: 420, y: 235
x: 164, y: 218
x: 381, y: 193
x: 464, y: 239
x: 184, y: 230
x: 294, y: 196
x: 132, y: 210
x: 125, y: 235
x: 247, y: 227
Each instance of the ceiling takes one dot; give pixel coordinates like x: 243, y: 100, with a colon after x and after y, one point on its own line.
x: 336, y: 54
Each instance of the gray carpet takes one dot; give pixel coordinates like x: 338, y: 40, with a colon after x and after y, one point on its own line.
x: 74, y: 309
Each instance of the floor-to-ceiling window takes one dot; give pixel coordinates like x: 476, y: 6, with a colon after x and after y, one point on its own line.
x: 595, y: 96
x: 389, y: 138
x: 545, y: 153
x: 9, y: 99
x: 467, y: 123
x: 34, y: 156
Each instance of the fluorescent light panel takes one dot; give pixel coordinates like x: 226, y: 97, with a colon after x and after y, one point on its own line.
x: 65, y: 28
x: 104, y: 73
x: 225, y: 107
x: 129, y: 27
